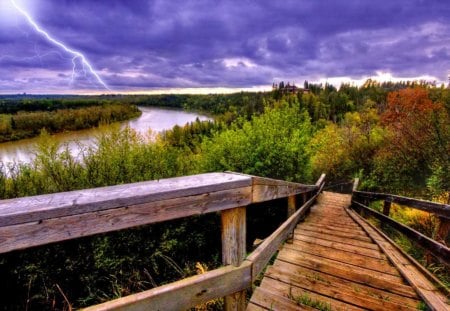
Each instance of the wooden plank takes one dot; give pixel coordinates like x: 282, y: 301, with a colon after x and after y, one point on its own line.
x: 37, y: 208
x: 308, y: 221
x: 271, y: 301
x: 439, y: 209
x: 333, y: 242
x: 409, y: 298
x: 361, y: 276
x: 261, y: 256
x: 186, y: 293
x: 336, y: 232
x: 439, y: 250
x: 432, y: 295
x: 263, y: 193
x: 344, y: 256
x: 295, y: 292
x: 297, y: 255
x: 234, y: 228
x: 346, y: 295
x: 70, y: 227
x: 357, y: 231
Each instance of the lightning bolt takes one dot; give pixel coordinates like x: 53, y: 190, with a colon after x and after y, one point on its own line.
x: 76, y: 55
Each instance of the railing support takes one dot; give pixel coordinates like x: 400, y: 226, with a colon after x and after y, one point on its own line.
x: 443, y: 230
x: 234, y: 249
x: 387, y: 206
x: 292, y: 202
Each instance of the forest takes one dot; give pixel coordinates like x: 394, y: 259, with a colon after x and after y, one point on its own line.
x: 23, y: 120
x: 394, y: 136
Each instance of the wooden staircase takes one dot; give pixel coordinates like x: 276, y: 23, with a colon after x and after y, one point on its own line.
x: 335, y: 262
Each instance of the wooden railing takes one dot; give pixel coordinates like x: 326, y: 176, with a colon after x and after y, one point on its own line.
x: 39, y: 220
x: 437, y: 247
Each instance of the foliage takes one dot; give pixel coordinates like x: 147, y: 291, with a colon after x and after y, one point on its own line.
x: 29, y: 124
x: 347, y: 149
x: 418, y: 143
x: 272, y: 144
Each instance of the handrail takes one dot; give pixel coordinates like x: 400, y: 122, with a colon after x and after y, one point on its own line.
x: 439, y: 250
x: 442, y: 211
x: 43, y: 219
x: 39, y: 220
x: 181, y: 295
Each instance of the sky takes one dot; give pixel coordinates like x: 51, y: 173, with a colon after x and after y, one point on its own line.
x: 137, y: 46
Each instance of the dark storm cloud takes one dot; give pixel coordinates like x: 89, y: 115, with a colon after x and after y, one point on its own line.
x: 137, y: 45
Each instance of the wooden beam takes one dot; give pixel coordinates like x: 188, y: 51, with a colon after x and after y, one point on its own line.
x: 439, y: 250
x: 186, y: 293
x: 70, y: 227
x: 266, y: 189
x: 292, y: 206
x: 442, y: 210
x: 387, y: 207
x: 42, y: 207
x: 355, y: 185
x: 443, y: 230
x: 234, y: 234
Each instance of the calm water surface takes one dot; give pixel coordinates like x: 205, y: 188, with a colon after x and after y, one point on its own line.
x: 154, y: 119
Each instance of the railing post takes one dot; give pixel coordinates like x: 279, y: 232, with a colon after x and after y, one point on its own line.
x: 386, y: 210
x: 292, y: 201
x: 443, y: 230
x: 387, y: 206
x: 234, y: 249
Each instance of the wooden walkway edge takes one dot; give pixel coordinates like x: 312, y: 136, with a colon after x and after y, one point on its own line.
x: 337, y: 261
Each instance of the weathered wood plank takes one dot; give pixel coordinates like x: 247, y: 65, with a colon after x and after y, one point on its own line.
x: 299, y: 256
x: 439, y: 250
x: 333, y: 242
x: 442, y: 210
x: 271, y: 301
x: 70, y: 227
x: 345, y: 257
x: 346, y: 273
x: 297, y: 292
x: 266, y: 189
x: 37, y: 208
x: 234, y: 227
x: 356, y: 235
x: 186, y: 293
x: 411, y: 298
x: 434, y: 298
x: 344, y: 294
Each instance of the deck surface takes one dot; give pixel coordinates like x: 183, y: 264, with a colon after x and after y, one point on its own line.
x: 332, y: 264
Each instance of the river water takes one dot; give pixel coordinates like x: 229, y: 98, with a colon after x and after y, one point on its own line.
x: 154, y: 119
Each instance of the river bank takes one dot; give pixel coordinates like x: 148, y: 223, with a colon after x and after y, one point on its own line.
x: 151, y: 119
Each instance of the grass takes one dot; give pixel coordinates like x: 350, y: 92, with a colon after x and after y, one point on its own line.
x: 306, y: 300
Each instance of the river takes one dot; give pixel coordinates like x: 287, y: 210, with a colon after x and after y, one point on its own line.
x: 154, y: 119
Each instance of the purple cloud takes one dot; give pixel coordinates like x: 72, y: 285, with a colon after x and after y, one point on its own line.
x: 140, y: 45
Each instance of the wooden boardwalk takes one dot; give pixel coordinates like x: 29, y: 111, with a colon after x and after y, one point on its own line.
x: 333, y: 264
